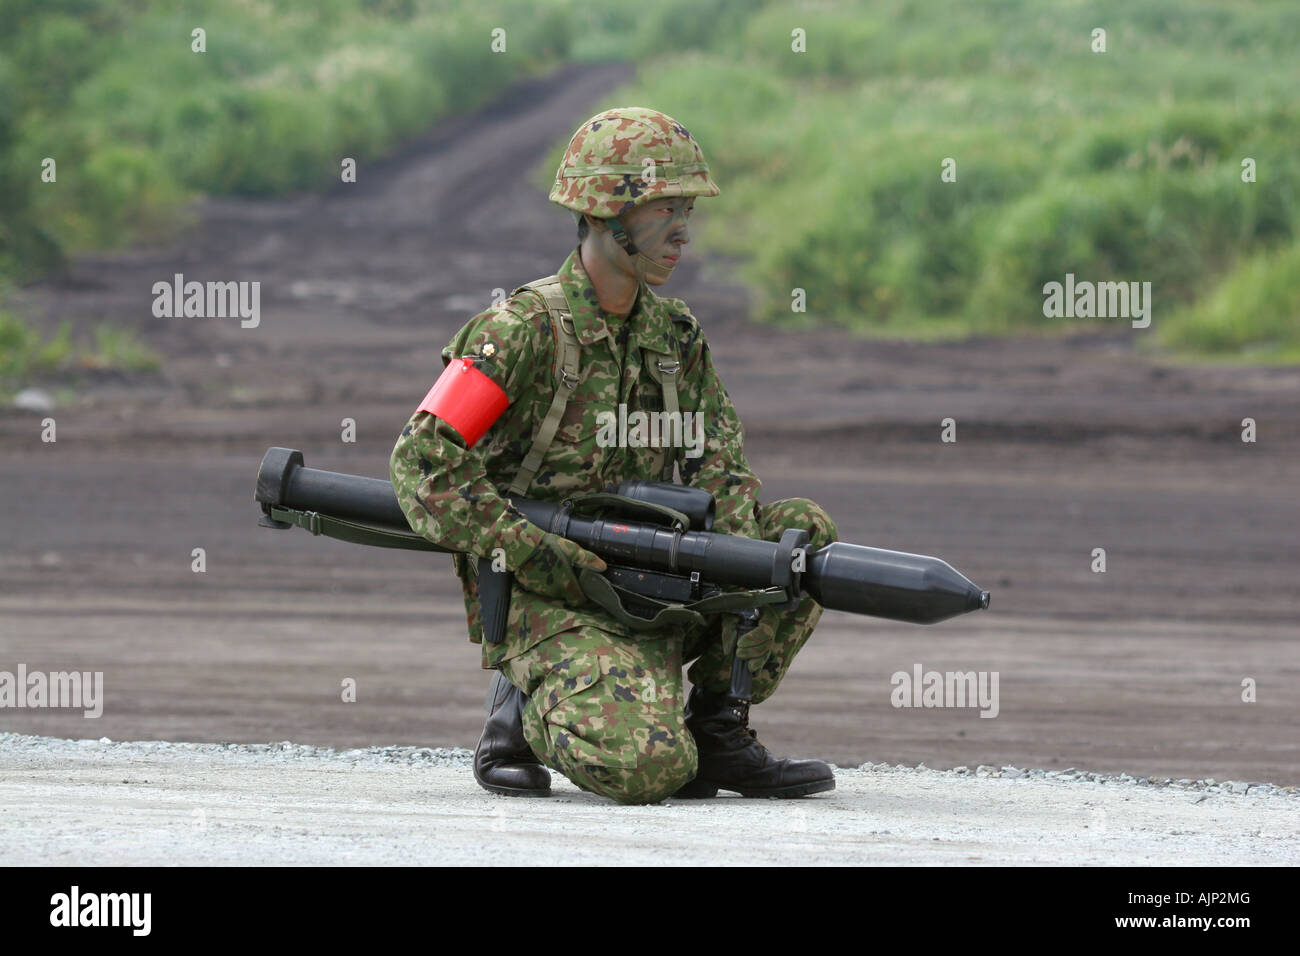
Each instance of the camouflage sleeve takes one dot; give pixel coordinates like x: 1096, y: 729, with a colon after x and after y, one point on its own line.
x: 721, y: 469
x: 442, y: 486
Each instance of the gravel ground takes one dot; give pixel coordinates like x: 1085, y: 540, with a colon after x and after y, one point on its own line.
x: 101, y: 802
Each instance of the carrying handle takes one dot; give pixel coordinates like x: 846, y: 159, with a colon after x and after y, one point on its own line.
x: 631, y: 508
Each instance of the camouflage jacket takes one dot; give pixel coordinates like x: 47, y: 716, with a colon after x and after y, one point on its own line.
x: 458, y: 497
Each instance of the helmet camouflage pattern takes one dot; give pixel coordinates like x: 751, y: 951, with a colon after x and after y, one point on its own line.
x: 605, y: 171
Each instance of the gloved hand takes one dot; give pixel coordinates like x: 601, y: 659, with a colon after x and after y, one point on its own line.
x: 551, y: 569
x: 755, y: 647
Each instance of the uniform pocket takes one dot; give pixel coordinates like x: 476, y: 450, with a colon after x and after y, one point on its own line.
x: 582, y: 729
x: 578, y: 423
x: 577, y: 451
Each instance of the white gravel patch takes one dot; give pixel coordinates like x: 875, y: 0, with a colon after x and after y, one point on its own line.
x: 100, y: 802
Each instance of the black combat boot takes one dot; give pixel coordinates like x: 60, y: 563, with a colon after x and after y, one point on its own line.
x: 503, y: 761
x: 731, y: 758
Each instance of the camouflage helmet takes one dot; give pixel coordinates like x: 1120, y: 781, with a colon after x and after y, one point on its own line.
x: 606, y: 170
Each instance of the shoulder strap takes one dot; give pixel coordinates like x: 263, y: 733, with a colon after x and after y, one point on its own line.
x: 613, y: 598
x: 567, y: 354
x: 665, y: 371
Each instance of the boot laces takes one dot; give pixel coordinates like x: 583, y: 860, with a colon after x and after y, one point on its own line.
x: 744, y: 734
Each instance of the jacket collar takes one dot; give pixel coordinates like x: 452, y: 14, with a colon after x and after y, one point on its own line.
x: 650, y: 320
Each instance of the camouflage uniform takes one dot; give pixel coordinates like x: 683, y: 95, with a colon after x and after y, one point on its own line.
x: 606, y: 705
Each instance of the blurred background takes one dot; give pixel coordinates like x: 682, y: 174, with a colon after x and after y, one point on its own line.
x: 1126, y: 163
x: 1169, y: 158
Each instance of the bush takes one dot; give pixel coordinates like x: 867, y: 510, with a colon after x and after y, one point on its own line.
x: 1255, y: 310
x: 139, y: 123
x: 1117, y: 167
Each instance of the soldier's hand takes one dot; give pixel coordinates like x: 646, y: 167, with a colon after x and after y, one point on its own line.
x: 551, y: 570
x: 755, y: 647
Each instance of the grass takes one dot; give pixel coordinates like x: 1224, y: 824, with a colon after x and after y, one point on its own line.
x: 23, y: 354
x: 1116, y: 166
x: 1251, y: 315
x: 27, y: 357
x: 138, y: 123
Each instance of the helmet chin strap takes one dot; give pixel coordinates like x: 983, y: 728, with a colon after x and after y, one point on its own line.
x: 643, y: 264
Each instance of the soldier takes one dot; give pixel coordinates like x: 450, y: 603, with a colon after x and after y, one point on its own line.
x: 515, y: 413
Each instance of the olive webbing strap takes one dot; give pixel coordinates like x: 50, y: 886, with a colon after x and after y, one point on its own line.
x: 568, y: 351
x: 665, y: 373
x: 352, y: 531
x: 611, y: 597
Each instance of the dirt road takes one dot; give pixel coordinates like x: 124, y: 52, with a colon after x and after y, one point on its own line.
x: 1063, y: 446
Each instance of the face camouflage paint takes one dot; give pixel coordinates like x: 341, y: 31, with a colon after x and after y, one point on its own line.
x: 650, y: 229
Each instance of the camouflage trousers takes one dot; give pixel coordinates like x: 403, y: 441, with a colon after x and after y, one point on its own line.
x: 607, y: 711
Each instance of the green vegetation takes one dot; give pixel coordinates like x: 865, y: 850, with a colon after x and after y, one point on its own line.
x: 1252, y: 313
x: 26, y: 356
x: 138, y: 122
x: 1117, y: 166
x: 119, y: 348
x: 23, y: 355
